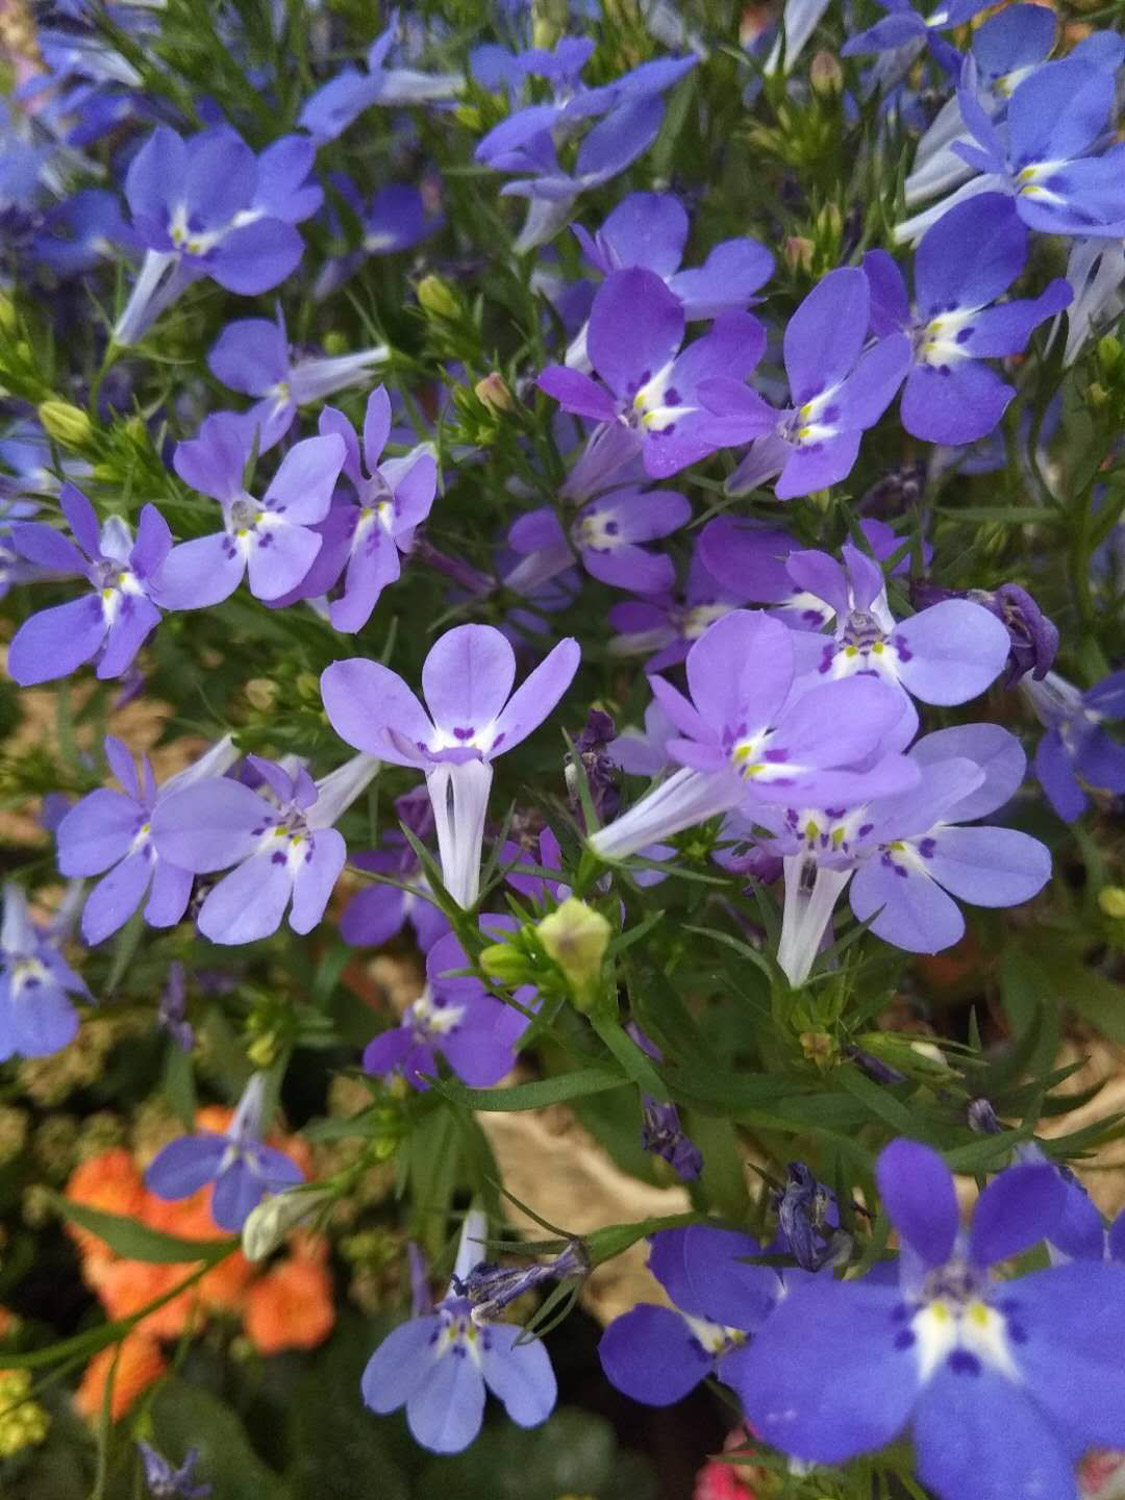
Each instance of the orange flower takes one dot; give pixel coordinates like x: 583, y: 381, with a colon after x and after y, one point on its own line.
x: 223, y: 1288
x: 111, y: 1182
x: 290, y: 1307
x: 126, y: 1286
x: 139, y: 1364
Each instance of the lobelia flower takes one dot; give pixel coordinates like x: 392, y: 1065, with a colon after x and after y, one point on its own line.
x: 668, y: 625
x: 80, y: 232
x: 1003, y: 1384
x: 649, y: 231
x: 658, y: 1354
x: 340, y: 101
x: 375, y: 914
x: 456, y: 1017
x: 606, y: 535
x: 253, y: 356
x: 438, y: 1365
x: 837, y: 386
x: 1041, y: 157
x: 647, y: 386
x: 362, y: 541
x: 111, y: 832
x: 172, y: 1015
x: 271, y: 538
x: 209, y: 207
x: 904, y: 27
x: 167, y: 1483
x: 592, y: 751
x: 945, y: 654
x: 749, y: 737
x: 396, y: 218
x: 491, y: 1288
x: 473, y: 716
x: 241, y: 1167
x: 1033, y: 639
x: 36, y: 1016
x: 963, y: 264
x: 661, y: 1131
x: 280, y: 840
x: 112, y: 622
x: 1076, y: 749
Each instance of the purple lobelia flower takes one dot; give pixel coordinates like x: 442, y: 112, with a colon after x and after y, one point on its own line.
x: 1033, y: 639
x: 473, y: 716
x: 1042, y: 157
x: 838, y: 387
x: 945, y: 654
x: 209, y: 207
x: 111, y: 832
x: 270, y: 538
x: 920, y: 858
x: 607, y: 536
x: 80, y: 232
x: 172, y: 1014
x: 378, y: 912
x: 1003, y: 1383
x: 37, y: 1017
x: 749, y: 736
x: 362, y: 541
x: 664, y: 627
x: 114, y: 620
x: 340, y: 101
x: 396, y: 218
x: 647, y: 386
x: 1076, y: 749
x: 253, y: 356
x: 964, y: 263
x: 455, y: 1017
x: 167, y: 1483
x: 280, y: 840
x: 904, y: 27
x: 662, y: 1134
x: 658, y: 1354
x: 591, y: 754
x: 438, y: 1365
x: 242, y: 1168
x: 491, y: 1288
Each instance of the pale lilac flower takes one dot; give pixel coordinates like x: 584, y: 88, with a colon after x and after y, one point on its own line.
x: 340, y: 101
x: 111, y: 622
x: 607, y: 536
x: 167, y: 1483
x: 111, y: 832
x: 280, y: 840
x: 378, y: 912
x: 270, y: 538
x: 37, y: 1017
x: 467, y: 680
x: 1075, y: 748
x: 437, y: 1365
x: 242, y: 1168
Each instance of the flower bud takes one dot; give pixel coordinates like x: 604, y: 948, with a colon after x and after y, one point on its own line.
x: 1112, y: 901
x: 267, y: 1225
x: 826, y: 75
x: 503, y: 962
x: 798, y: 253
x: 576, y: 937
x: 493, y: 394
x: 437, y: 298
x: 1111, y: 356
x: 67, y: 424
x: 8, y: 319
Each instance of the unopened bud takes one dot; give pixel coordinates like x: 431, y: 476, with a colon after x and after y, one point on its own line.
x: 1096, y: 395
x: 1112, y: 901
x: 267, y: 1225
x: 67, y: 424
x: 261, y: 693
x: 576, y: 937
x: 503, y: 962
x: 437, y: 298
x: 9, y: 322
x: 1111, y: 356
x: 492, y: 392
x: 798, y: 253
x: 825, y: 75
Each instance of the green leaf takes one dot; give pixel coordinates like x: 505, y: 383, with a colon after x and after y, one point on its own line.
x: 533, y: 1095
x: 571, y: 1454
x: 133, y: 1240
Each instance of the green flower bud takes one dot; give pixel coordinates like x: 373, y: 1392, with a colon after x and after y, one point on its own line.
x: 1112, y: 901
x: 576, y: 937
x: 67, y: 424
x: 492, y: 392
x: 437, y: 298
x: 826, y: 75
x: 504, y: 962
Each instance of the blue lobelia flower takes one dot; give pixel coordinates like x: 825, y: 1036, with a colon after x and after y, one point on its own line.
x: 964, y: 263
x: 838, y: 388
x: 378, y: 912
x: 750, y: 733
x: 396, y: 218
x: 209, y: 207
x: 1075, y: 748
x: 340, y: 101
x: 361, y: 542
x: 904, y: 27
x: 242, y: 1169
x: 473, y: 716
x: 1043, y: 156
x: 164, y: 1482
x: 456, y: 1017
x: 112, y: 621
x: 272, y: 538
x: 1004, y: 1384
x: 658, y: 1354
x: 280, y: 839
x: 36, y: 1015
x: 647, y: 387
x: 112, y: 832
x: 439, y: 1364
x: 81, y: 231
x: 253, y: 356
